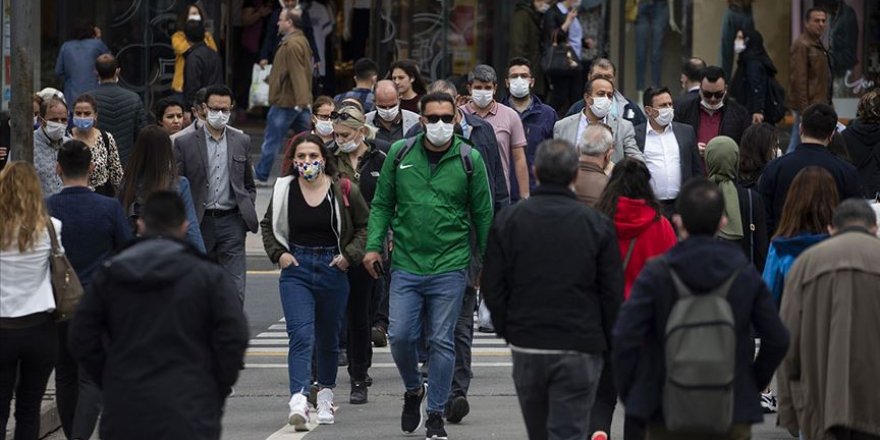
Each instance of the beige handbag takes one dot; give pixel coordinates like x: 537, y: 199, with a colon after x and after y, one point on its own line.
x: 65, y: 284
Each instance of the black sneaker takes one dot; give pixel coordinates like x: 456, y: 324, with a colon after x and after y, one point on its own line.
x: 358, y: 394
x: 379, y: 337
x: 368, y: 381
x: 413, y: 416
x: 435, y: 429
x: 456, y: 409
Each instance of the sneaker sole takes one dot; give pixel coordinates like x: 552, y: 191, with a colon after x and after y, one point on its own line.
x: 300, y: 424
x: 326, y: 422
x: 434, y: 437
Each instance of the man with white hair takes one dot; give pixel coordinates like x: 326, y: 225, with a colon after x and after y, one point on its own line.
x: 595, y: 156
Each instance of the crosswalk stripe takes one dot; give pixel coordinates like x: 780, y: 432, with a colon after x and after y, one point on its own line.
x: 380, y: 365
x: 477, y: 351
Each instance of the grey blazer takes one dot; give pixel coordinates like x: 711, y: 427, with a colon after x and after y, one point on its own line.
x: 691, y: 162
x: 191, y: 153
x: 624, y: 136
x: 410, y: 119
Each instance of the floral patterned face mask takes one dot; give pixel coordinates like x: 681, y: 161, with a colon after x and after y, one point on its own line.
x: 310, y: 170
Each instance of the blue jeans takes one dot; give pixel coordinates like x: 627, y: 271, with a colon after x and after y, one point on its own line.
x: 650, y: 24
x: 795, y: 132
x: 278, y: 121
x: 313, y: 296
x: 440, y: 296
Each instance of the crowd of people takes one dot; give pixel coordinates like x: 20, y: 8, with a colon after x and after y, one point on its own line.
x: 670, y: 253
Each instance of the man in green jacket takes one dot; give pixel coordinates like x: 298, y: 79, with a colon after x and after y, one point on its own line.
x: 431, y: 191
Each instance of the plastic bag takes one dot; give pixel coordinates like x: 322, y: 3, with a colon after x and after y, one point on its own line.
x: 484, y: 318
x: 259, y: 94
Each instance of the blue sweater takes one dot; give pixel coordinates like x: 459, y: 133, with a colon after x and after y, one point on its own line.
x: 93, y: 227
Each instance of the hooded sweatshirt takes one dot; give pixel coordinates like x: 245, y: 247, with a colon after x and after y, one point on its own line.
x: 653, y: 235
x: 863, y: 144
x: 780, y: 258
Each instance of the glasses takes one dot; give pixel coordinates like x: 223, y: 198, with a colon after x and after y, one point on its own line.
x: 323, y: 117
x: 337, y: 116
x: 433, y: 119
x: 710, y: 95
x: 225, y: 111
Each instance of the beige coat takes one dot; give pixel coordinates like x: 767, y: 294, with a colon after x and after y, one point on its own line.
x: 290, y: 81
x: 831, y: 306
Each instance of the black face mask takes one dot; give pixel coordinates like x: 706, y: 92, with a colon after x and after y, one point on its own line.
x: 194, y: 31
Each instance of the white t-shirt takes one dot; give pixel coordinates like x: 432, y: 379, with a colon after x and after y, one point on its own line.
x: 25, y: 282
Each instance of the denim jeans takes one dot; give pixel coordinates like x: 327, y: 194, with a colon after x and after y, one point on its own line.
x: 278, y: 121
x: 795, y: 132
x: 650, y: 24
x: 439, y: 296
x: 556, y: 393
x: 313, y: 296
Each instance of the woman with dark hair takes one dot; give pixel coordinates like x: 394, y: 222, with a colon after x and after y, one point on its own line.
x: 151, y: 168
x: 107, y: 173
x: 758, y: 146
x: 743, y: 207
x: 75, y: 65
x: 863, y: 142
x: 180, y: 44
x: 169, y: 115
x: 754, y: 68
x: 642, y: 233
x: 28, y: 334
x: 807, y: 213
x: 406, y: 76
x: 322, y: 126
x: 315, y: 228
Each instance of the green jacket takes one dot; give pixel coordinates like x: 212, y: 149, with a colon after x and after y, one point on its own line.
x: 430, y: 212
x: 350, y: 227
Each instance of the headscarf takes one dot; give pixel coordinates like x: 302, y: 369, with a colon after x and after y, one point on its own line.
x: 755, y: 51
x: 722, y: 159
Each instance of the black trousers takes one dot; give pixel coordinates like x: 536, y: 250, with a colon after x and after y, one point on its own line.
x: 77, y: 395
x: 603, y: 408
x: 464, y: 340
x: 359, y: 347
x: 27, y: 358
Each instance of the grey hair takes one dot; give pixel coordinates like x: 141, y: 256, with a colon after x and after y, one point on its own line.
x: 854, y: 212
x: 484, y: 73
x: 443, y: 86
x: 596, y: 140
x: 556, y: 162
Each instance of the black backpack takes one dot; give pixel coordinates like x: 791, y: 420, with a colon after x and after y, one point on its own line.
x: 774, y: 102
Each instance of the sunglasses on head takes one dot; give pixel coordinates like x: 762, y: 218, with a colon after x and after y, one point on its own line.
x: 433, y: 119
x: 338, y: 116
x: 710, y: 95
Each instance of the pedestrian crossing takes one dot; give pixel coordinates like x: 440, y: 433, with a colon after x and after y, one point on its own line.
x: 265, y: 349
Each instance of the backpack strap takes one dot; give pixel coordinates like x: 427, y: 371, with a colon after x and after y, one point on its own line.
x: 724, y: 288
x: 629, y: 253
x: 683, y: 291
x: 345, y: 186
x: 401, y: 153
x: 466, y: 161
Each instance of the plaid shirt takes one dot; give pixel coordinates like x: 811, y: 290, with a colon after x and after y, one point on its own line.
x: 365, y: 96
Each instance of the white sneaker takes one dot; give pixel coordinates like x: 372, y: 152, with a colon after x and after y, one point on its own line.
x: 768, y: 402
x: 325, y: 407
x: 299, y: 412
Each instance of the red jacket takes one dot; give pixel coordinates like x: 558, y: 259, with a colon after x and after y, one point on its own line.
x: 653, y: 233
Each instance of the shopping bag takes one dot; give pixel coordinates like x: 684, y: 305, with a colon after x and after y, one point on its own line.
x: 484, y: 318
x: 259, y: 93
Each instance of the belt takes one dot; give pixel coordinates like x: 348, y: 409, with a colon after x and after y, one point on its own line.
x: 220, y: 212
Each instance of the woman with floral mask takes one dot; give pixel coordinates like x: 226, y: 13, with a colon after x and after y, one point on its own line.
x: 360, y: 160
x: 107, y: 174
x: 322, y: 126
x: 315, y: 229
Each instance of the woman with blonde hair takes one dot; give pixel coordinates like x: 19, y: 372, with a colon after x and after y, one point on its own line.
x: 28, y: 334
x: 359, y: 160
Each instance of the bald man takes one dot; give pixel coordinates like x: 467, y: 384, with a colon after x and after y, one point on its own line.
x: 392, y: 121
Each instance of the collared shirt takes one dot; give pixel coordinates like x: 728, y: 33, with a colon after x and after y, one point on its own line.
x: 575, y: 32
x: 710, y: 124
x: 664, y: 162
x: 219, y: 187
x: 508, y: 130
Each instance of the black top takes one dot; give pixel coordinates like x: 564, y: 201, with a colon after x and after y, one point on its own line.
x: 392, y: 135
x: 434, y: 156
x: 309, y: 226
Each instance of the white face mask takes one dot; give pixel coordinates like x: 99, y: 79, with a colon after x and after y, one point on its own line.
x: 543, y: 7
x: 666, y: 116
x: 439, y: 133
x: 739, y: 46
x: 217, y: 120
x: 711, y: 107
x: 519, y: 87
x: 349, y: 146
x: 482, y: 98
x: 601, y: 106
x: 388, y: 114
x: 194, y: 17
x: 324, y: 128
x: 55, y: 130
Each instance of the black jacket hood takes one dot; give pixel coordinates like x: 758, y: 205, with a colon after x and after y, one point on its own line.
x: 150, y: 263
x: 704, y: 262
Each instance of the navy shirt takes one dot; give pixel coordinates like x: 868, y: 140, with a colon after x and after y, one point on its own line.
x: 93, y: 227
x: 538, y: 120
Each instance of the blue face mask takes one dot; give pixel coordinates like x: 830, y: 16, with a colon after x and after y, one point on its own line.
x: 83, y: 123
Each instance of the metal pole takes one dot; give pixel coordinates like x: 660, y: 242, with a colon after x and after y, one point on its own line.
x: 23, y: 49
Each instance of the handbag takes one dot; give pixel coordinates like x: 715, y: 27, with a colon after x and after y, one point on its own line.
x: 65, y: 284
x: 107, y: 189
x: 559, y: 59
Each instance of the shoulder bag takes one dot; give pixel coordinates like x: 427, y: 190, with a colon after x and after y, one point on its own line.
x: 559, y: 59
x: 65, y: 284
